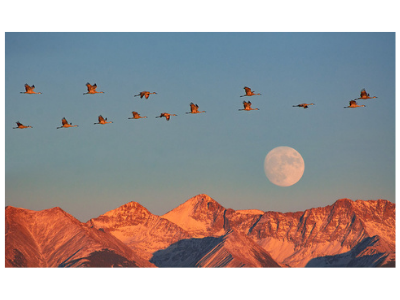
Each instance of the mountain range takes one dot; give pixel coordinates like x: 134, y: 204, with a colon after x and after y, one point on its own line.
x: 202, y: 233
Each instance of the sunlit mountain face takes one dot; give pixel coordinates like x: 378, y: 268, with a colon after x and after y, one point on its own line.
x: 202, y: 233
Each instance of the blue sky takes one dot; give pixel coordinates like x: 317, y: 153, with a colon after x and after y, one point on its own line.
x: 92, y: 169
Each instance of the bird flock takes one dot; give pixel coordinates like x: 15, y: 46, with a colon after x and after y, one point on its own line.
x: 194, y: 108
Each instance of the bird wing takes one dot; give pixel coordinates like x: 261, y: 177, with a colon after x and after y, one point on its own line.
x: 363, y: 93
x: 101, y: 119
x: 64, y: 121
x: 247, y: 90
x: 353, y: 102
x: 135, y: 114
x: 28, y: 87
x: 91, y: 88
x: 19, y: 124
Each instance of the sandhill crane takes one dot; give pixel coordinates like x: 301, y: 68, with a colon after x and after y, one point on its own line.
x: 20, y: 126
x: 92, y: 89
x: 353, y: 104
x: 249, y: 92
x: 247, y: 106
x: 165, y: 115
x: 102, y: 121
x: 365, y: 95
x: 65, y: 124
x: 136, y: 115
x: 194, y: 109
x: 146, y: 94
x: 304, y: 105
x: 29, y: 89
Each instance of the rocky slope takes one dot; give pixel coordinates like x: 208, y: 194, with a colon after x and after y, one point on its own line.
x: 202, y: 233
x: 229, y: 250
x: 53, y: 238
x: 293, y: 239
x: 296, y: 238
x: 138, y: 228
x: 200, y: 216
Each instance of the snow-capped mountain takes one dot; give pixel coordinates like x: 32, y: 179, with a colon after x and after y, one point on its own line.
x: 162, y: 240
x: 296, y: 238
x: 293, y: 239
x: 202, y: 233
x: 53, y: 238
x: 138, y: 228
x: 201, y: 216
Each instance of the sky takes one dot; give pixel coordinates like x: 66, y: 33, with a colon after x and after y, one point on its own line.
x: 92, y: 169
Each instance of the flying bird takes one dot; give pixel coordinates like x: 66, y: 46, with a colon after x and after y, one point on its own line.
x: 65, y: 124
x: 146, y: 94
x: 365, y: 95
x: 29, y: 89
x: 194, y: 109
x: 304, y: 105
x: 20, y: 126
x: 92, y: 89
x: 247, y: 106
x: 166, y: 115
x: 102, y: 121
x: 353, y: 104
x: 136, y: 115
x: 249, y: 92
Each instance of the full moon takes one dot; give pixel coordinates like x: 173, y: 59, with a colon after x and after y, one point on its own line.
x: 284, y: 166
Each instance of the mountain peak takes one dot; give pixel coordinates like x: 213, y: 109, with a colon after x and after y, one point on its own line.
x: 201, y: 198
x: 54, y: 238
x: 131, y: 213
x: 196, y: 205
x: 49, y: 213
x: 198, y: 215
x: 345, y: 203
x: 138, y: 228
x: 130, y: 208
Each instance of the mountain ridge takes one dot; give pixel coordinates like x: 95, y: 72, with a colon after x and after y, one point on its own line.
x: 138, y: 228
x: 54, y: 238
x: 291, y: 239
